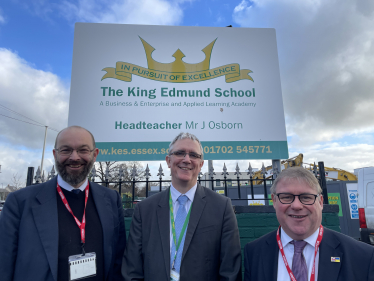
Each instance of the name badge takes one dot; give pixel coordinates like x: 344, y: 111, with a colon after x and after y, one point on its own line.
x: 174, y: 276
x: 81, y: 267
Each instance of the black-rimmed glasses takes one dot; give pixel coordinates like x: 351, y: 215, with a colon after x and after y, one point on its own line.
x: 181, y: 154
x: 288, y: 198
x: 67, y: 151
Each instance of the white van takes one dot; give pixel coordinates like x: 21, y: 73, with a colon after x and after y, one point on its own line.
x: 365, y: 190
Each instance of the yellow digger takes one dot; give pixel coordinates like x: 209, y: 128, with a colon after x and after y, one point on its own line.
x: 334, y: 174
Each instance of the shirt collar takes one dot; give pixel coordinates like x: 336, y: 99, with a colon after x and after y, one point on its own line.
x: 175, y: 193
x: 311, y: 240
x: 63, y: 184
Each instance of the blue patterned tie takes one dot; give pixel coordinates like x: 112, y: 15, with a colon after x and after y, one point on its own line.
x: 299, y: 267
x: 179, y: 221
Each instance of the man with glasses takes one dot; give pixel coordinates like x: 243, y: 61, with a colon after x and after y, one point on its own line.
x: 302, y: 249
x: 187, y: 232
x: 66, y: 228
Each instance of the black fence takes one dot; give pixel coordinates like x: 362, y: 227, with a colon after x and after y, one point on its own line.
x: 234, y: 185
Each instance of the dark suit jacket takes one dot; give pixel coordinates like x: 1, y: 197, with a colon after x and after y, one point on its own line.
x: 356, y: 258
x: 211, y: 248
x: 29, y: 232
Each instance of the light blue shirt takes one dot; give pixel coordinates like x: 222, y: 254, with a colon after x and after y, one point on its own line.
x: 174, y: 196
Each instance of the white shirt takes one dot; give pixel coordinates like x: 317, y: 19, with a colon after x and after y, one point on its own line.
x: 174, y: 196
x: 308, y: 253
x: 63, y: 184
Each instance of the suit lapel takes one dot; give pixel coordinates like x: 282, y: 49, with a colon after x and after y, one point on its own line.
x: 328, y: 271
x: 270, y: 258
x: 163, y: 217
x: 104, y: 209
x: 198, y: 206
x: 46, y: 221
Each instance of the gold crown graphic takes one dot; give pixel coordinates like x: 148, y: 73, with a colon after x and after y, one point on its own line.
x: 178, y: 65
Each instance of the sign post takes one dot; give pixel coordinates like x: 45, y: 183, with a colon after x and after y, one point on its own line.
x: 135, y: 87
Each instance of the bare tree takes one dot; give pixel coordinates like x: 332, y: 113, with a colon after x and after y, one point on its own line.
x: 103, y: 167
x: 113, y: 171
x: 16, y: 183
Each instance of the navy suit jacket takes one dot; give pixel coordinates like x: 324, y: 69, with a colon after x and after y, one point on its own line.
x: 211, y: 249
x: 29, y: 232
x: 356, y: 258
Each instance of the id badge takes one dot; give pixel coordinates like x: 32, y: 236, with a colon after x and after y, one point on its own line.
x: 81, y: 267
x: 174, y: 276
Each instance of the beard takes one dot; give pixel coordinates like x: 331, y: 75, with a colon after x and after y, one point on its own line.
x: 74, y: 178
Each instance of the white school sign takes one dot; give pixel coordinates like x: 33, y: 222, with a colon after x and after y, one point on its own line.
x: 135, y: 87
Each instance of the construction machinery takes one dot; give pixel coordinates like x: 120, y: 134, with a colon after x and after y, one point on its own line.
x: 333, y: 174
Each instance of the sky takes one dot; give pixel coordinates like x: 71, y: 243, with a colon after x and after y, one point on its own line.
x: 326, y: 60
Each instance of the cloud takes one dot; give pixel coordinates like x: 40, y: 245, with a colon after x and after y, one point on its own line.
x: 160, y: 12
x: 242, y: 6
x: 2, y: 18
x: 36, y: 94
x: 341, y: 156
x: 15, y: 161
x: 326, y: 53
x: 32, y: 93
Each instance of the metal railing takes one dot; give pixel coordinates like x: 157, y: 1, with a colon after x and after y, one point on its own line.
x: 116, y: 181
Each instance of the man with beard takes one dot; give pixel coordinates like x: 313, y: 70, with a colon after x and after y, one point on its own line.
x: 66, y: 228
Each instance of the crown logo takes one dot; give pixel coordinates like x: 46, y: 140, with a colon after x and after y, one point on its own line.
x: 178, y: 65
x: 177, y: 71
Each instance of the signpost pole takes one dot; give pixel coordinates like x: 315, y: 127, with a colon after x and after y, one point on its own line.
x: 210, y: 166
x: 276, y: 163
x: 45, y: 137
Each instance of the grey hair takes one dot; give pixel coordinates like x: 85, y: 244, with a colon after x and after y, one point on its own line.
x: 76, y: 127
x: 185, y: 135
x: 300, y: 174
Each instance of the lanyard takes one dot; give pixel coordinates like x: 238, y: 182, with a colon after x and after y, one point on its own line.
x: 82, y: 225
x: 318, y: 242
x: 173, y: 227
